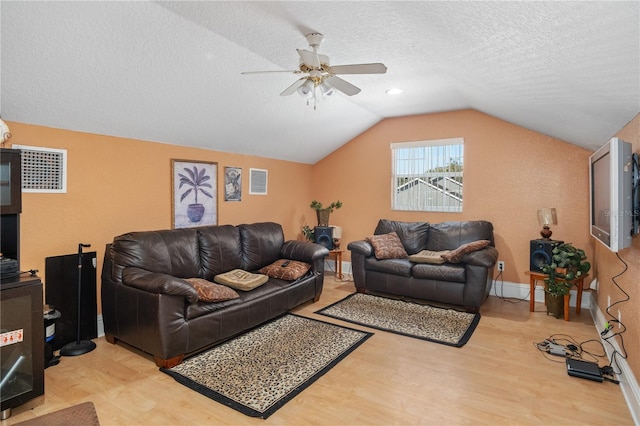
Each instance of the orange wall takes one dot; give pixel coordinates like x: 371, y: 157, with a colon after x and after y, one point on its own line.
x: 509, y: 173
x: 608, y: 266
x: 117, y: 185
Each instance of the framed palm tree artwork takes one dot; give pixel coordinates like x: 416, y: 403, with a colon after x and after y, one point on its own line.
x: 194, y: 193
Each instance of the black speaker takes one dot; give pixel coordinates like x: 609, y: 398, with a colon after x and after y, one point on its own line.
x: 541, y: 253
x: 323, y: 235
x: 61, y: 292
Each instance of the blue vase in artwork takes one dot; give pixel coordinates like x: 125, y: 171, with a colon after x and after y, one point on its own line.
x: 195, y: 212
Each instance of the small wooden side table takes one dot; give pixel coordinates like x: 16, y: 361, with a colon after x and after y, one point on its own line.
x: 338, y: 254
x: 534, y: 277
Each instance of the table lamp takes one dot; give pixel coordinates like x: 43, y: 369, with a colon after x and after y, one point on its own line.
x: 546, y: 217
x: 337, y: 234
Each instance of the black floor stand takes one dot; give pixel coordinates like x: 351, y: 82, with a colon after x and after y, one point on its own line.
x: 79, y: 347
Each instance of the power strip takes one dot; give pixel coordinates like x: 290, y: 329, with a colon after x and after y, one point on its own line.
x: 557, y: 350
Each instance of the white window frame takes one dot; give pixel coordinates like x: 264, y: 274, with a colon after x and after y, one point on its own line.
x: 432, y: 190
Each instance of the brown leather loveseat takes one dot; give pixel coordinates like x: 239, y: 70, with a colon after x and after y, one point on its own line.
x: 464, y: 280
x: 147, y: 303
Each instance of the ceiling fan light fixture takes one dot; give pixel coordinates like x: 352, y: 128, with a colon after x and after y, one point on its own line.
x: 321, y: 80
x: 306, y: 90
x: 326, y: 89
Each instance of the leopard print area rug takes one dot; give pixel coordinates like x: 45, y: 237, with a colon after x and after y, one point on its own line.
x: 258, y: 372
x: 439, y: 325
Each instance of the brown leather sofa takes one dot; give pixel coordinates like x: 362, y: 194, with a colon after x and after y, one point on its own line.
x: 465, y: 284
x: 147, y: 304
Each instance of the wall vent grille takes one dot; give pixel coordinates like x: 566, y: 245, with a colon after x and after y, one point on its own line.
x: 43, y: 169
x: 258, y: 181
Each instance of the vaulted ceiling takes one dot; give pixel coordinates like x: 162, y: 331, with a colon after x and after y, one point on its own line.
x: 171, y: 71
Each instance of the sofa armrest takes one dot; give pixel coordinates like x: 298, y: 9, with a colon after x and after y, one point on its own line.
x: 303, y: 251
x: 362, y: 247
x: 486, y: 257
x: 153, y: 282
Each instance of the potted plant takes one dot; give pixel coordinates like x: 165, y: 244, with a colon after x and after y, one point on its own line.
x: 196, y: 180
x: 308, y: 233
x: 323, y: 212
x: 567, y: 264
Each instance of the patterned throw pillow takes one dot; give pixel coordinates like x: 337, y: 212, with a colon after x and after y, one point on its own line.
x: 211, y: 292
x: 414, y: 235
x: 292, y: 271
x: 455, y: 256
x: 387, y: 246
x: 429, y: 256
x: 241, y: 280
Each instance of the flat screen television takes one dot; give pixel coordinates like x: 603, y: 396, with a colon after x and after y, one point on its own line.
x: 611, y: 184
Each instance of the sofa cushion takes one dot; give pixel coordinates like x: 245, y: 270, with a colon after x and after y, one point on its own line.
x: 429, y: 256
x: 387, y: 246
x: 455, y: 256
x: 211, y: 292
x: 261, y: 244
x: 220, y: 249
x: 400, y: 267
x: 173, y: 252
x: 413, y: 235
x: 444, y: 272
x: 451, y: 235
x: 241, y: 280
x: 285, y: 269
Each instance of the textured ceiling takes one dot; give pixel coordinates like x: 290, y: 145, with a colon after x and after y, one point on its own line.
x: 171, y: 71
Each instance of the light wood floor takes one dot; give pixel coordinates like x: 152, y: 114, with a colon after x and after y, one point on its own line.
x: 497, y: 378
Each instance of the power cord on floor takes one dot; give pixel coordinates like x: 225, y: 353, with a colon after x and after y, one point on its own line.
x: 608, y: 334
x: 346, y: 276
x: 558, y: 347
x: 502, y: 296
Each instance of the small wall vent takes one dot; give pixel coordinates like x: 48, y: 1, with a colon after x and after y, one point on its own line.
x: 43, y: 169
x: 258, y: 181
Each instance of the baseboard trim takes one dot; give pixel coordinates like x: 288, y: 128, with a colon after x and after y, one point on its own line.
x: 628, y: 382
x: 330, y: 266
x: 522, y: 291
x: 503, y: 288
x: 100, y: 326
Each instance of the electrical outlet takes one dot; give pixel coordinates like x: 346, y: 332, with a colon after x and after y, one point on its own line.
x: 619, y: 319
x: 500, y: 265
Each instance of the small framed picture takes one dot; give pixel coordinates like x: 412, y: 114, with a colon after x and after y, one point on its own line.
x: 193, y: 193
x: 232, y: 184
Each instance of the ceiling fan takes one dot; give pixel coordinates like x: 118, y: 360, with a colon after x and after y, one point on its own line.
x: 321, y: 78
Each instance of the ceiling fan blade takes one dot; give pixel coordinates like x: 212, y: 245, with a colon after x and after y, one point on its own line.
x: 292, y: 89
x: 376, y: 68
x: 309, y: 58
x: 343, y: 86
x: 268, y: 72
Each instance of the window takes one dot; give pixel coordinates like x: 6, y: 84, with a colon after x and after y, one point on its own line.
x: 427, y: 175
